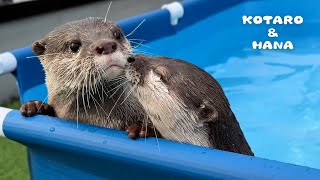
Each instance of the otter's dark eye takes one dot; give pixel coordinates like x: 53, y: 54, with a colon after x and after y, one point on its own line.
x: 75, y: 46
x: 162, y: 78
x: 117, y: 35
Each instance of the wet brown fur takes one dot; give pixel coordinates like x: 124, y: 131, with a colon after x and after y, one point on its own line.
x: 200, y: 96
x: 77, y: 85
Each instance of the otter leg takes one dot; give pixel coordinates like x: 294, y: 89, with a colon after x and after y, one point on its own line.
x: 140, y: 130
x: 32, y: 108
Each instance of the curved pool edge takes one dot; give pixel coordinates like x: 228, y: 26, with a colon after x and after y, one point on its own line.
x: 47, y: 136
x: 44, y: 153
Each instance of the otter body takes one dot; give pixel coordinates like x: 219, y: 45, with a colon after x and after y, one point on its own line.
x: 185, y: 103
x: 84, y: 63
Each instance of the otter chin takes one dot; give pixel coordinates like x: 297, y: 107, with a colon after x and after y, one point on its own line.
x: 185, y: 103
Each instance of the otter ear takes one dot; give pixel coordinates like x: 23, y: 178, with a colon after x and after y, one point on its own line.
x: 208, y: 113
x: 39, y: 47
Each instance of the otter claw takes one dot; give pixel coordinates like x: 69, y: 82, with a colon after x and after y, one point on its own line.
x: 135, y: 131
x: 32, y: 108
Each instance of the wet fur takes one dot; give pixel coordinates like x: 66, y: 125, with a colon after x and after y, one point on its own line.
x: 79, y: 86
x: 186, y: 104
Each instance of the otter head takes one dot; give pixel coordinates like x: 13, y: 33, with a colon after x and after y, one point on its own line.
x: 83, y: 53
x: 169, y: 86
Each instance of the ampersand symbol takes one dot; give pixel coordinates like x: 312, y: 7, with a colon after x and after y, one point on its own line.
x: 272, y: 33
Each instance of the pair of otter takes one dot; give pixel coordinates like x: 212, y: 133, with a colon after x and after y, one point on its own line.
x: 93, y: 77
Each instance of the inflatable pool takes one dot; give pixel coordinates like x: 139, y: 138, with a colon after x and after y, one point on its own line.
x: 271, y: 82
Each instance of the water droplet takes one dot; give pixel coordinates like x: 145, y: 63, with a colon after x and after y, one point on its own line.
x: 104, y: 142
x: 52, y: 129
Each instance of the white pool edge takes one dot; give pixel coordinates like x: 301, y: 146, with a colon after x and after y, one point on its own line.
x: 8, y: 63
x: 3, y: 114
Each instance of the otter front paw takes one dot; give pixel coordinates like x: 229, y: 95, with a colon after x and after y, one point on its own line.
x: 140, y: 130
x: 32, y: 108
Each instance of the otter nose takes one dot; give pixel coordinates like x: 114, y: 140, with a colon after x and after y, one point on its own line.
x: 106, y: 48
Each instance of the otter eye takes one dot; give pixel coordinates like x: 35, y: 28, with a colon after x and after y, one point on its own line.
x: 161, y: 78
x: 75, y: 46
x: 117, y: 34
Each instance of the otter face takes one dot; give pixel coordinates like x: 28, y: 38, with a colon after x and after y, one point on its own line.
x: 143, y: 70
x: 162, y: 84
x: 87, y: 51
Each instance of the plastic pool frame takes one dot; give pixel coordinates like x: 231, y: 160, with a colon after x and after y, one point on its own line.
x: 57, y: 149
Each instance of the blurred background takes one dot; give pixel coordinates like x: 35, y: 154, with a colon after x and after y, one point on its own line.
x: 24, y: 21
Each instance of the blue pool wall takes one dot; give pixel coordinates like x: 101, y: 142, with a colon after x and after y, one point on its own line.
x: 97, y: 153
x: 58, y: 149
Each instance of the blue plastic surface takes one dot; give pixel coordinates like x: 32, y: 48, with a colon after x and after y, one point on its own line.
x: 272, y: 92
x: 57, y: 149
x: 29, y: 71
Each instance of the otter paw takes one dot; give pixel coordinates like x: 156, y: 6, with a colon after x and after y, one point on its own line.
x: 140, y: 130
x: 32, y: 108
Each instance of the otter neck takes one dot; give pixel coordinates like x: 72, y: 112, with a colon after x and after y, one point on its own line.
x: 92, y: 107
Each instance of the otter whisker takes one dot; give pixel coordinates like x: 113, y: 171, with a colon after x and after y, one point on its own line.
x: 105, y: 18
x: 83, y: 99
x: 118, y: 87
x: 76, y: 30
x: 129, y: 93
x: 90, y: 83
x: 70, y: 68
x: 124, y: 90
x: 104, y: 92
x: 101, y: 85
x: 96, y: 87
x: 84, y: 94
x: 134, y: 30
x: 116, y: 83
x: 155, y: 133
x: 92, y: 90
x: 119, y: 80
x: 139, y: 44
x: 139, y: 51
x: 145, y: 137
x: 42, y: 55
x: 120, y: 77
x: 77, y: 109
x: 135, y: 51
x: 87, y: 90
x: 137, y: 40
x: 42, y: 103
x: 94, y: 102
x: 94, y: 99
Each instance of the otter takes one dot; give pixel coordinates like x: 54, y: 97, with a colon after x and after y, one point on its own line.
x: 185, y: 103
x: 84, y: 64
